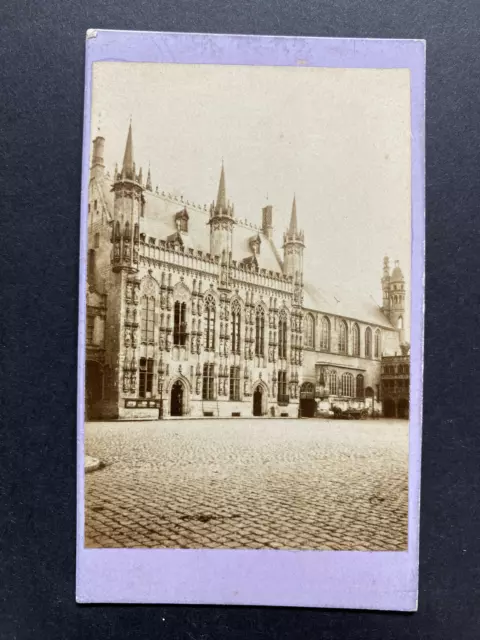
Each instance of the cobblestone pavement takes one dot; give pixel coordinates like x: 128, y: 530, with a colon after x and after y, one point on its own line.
x: 284, y: 484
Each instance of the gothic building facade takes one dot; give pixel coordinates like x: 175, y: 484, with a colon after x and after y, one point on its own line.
x: 193, y: 311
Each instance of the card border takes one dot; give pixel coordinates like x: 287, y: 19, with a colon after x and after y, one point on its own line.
x: 327, y: 579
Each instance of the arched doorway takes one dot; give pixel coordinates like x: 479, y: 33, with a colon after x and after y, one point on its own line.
x: 403, y: 406
x: 308, y: 405
x: 258, y: 401
x: 389, y: 408
x: 176, y: 399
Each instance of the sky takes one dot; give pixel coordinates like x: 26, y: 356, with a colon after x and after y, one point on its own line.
x: 339, y: 139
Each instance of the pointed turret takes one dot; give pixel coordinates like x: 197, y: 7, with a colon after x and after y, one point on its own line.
x: 148, y: 186
x: 221, y: 202
x: 292, y: 230
x: 293, y: 246
x: 128, y: 169
x: 128, y: 207
x: 221, y: 220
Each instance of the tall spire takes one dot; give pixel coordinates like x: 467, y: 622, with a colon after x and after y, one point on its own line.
x: 221, y: 202
x: 148, y: 186
x: 293, y: 219
x: 128, y: 167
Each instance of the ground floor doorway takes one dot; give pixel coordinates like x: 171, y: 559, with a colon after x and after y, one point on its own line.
x: 308, y: 405
x: 258, y: 401
x: 403, y: 408
x: 93, y: 387
x: 389, y: 410
x: 176, y: 399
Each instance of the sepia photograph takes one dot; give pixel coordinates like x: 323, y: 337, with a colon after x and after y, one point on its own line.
x: 247, y: 336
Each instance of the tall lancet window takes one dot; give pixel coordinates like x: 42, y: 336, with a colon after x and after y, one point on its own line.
x: 282, y: 335
x: 148, y: 319
x: 180, y: 323
x: 325, y: 334
x: 343, y: 337
x: 355, y: 340
x: 360, y: 391
x: 259, y: 332
x: 235, y: 327
x: 347, y: 385
x: 368, y: 342
x: 309, y: 331
x: 377, y: 344
x: 210, y: 324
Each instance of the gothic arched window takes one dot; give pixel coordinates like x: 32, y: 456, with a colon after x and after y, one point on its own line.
x: 210, y: 324
x: 355, y: 340
x: 360, y: 386
x: 235, y: 327
x: 148, y: 319
x: 325, y: 334
x: 180, y: 323
x: 259, y: 331
x: 347, y: 385
x: 377, y: 347
x: 368, y: 342
x: 343, y: 337
x: 309, y: 331
x: 332, y: 383
x: 282, y: 335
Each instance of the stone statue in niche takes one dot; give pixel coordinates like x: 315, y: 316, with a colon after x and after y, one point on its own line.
x: 199, y: 385
x: 169, y: 343
x: 135, y: 294
x: 128, y: 292
x: 134, y: 339
x: 127, y: 339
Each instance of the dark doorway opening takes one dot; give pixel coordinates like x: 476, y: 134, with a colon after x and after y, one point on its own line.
x: 176, y: 399
x: 389, y: 408
x: 308, y: 407
x: 403, y: 406
x: 257, y: 401
x: 93, y: 387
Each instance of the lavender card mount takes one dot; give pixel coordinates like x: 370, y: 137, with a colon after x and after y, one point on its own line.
x: 251, y: 321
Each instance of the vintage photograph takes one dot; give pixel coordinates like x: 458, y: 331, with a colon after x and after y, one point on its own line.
x: 247, y: 361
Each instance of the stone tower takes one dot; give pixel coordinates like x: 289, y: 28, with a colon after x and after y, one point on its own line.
x: 397, y: 300
x: 128, y: 204
x: 293, y: 246
x: 221, y: 221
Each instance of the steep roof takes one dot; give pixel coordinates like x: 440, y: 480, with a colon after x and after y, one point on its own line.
x: 159, y: 223
x: 344, y: 303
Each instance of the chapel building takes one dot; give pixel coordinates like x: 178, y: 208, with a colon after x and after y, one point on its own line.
x: 195, y: 312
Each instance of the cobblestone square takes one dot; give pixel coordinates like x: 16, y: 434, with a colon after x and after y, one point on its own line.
x: 262, y: 483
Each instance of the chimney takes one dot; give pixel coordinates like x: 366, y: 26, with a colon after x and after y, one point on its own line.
x: 98, y: 147
x: 267, y: 221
